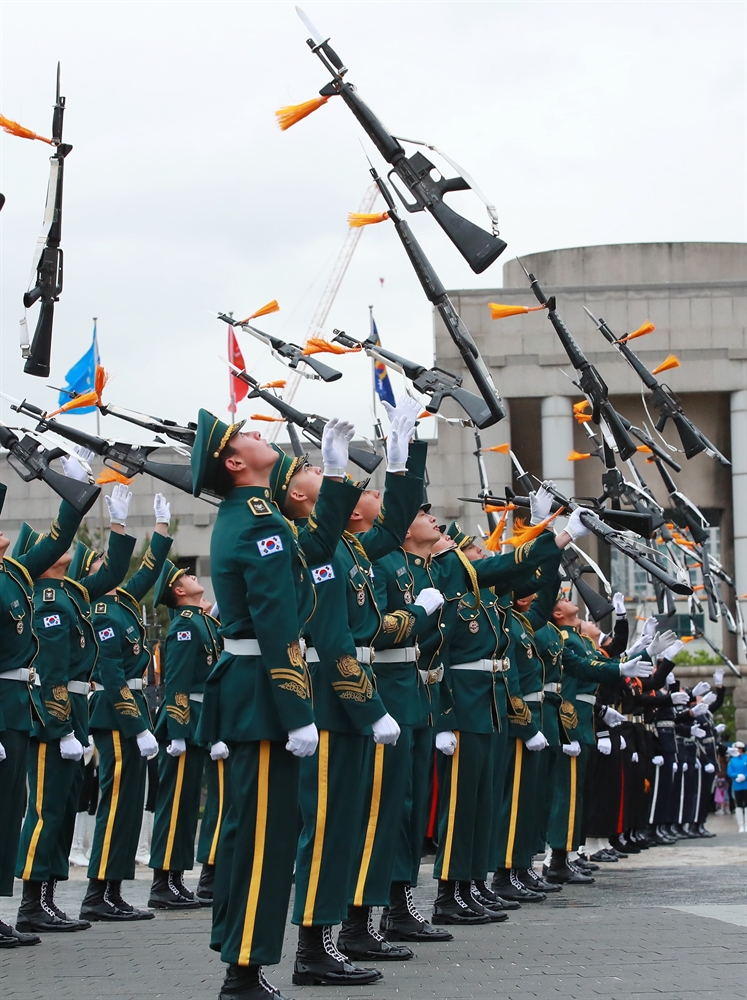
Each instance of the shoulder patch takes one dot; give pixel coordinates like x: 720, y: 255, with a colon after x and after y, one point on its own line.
x: 100, y: 608
x: 48, y: 594
x: 323, y: 573
x: 51, y: 620
x: 106, y: 633
x: 187, y: 614
x: 183, y: 636
x: 259, y: 507
x: 269, y: 546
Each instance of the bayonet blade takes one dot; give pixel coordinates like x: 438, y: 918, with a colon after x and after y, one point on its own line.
x: 314, y: 32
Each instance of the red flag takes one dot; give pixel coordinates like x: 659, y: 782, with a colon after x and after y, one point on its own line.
x: 237, y: 388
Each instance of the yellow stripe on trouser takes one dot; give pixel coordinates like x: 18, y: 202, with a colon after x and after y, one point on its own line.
x: 514, y: 805
x: 174, y: 811
x: 219, y: 820
x: 373, y: 819
x: 572, y: 807
x: 260, y: 833
x: 117, y: 743
x: 452, y: 810
x: 321, y: 823
x: 40, y: 769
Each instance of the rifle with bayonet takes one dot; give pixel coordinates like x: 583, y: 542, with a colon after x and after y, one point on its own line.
x: 662, y: 399
x: 291, y: 355
x: 31, y: 460
x: 699, y: 634
x: 484, y: 484
x: 477, y: 247
x: 311, y: 424
x: 168, y: 428
x: 48, y: 259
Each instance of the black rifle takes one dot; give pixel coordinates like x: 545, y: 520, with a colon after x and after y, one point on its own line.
x: 168, y: 428
x: 311, y: 424
x: 590, y: 382
x: 477, y: 247
x: 291, y: 355
x: 484, y: 484
x: 128, y: 459
x: 30, y: 459
x: 698, y: 634
x: 48, y: 285
x: 597, y: 604
x: 664, y: 400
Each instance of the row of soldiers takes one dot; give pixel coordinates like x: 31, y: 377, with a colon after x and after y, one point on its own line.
x: 354, y: 636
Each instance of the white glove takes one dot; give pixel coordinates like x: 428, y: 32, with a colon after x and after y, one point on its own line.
x: 680, y: 697
x: 219, y: 751
x: 215, y: 611
x: 147, y: 743
x: 604, y: 745
x: 446, y: 743
x: 304, y: 741
x: 699, y: 710
x: 657, y: 761
x: 119, y: 504
x: 162, y: 509
x: 709, y: 769
x: 671, y: 651
x: 88, y: 751
x: 537, y: 742
x: 572, y: 749
x: 576, y: 527
x: 650, y: 626
x: 718, y: 678
x: 697, y: 732
x: 70, y: 747
x: 636, y: 668
x: 385, y: 730
x: 541, y: 502
x: 429, y: 599
x: 398, y: 443
x: 72, y: 467
x: 671, y: 679
x: 660, y: 642
x: 634, y: 757
x: 406, y: 407
x: 720, y: 728
x: 176, y: 748
x: 336, y: 438
x: 684, y: 767
x: 675, y: 767
x: 701, y: 688
x: 3, y: 754
x: 708, y: 699
x: 741, y: 778
x: 623, y: 744
x: 613, y: 718
x: 618, y: 602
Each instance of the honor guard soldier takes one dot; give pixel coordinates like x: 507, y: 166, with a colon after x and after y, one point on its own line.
x: 122, y: 731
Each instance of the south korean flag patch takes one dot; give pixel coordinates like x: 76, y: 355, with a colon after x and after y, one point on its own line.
x: 51, y: 620
x: 323, y: 573
x: 183, y: 636
x: 269, y: 546
x: 106, y: 633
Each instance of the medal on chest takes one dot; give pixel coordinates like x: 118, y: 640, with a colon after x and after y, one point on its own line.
x: 530, y: 652
x: 361, y: 598
x: 136, y: 649
x: 408, y: 597
x: 82, y: 642
x: 474, y: 626
x: 19, y: 627
x: 209, y: 660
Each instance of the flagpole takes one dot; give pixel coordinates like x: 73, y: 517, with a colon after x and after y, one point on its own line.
x: 373, y: 364
x: 98, y: 430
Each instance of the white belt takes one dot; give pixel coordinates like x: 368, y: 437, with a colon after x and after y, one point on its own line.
x: 634, y: 718
x: 434, y: 676
x: 491, y: 666
x: 665, y: 725
x: 136, y: 684
x: 408, y: 654
x: 588, y: 699
x: 552, y: 688
x: 196, y: 696
x: 79, y: 687
x: 22, y: 674
x: 534, y: 696
x: 363, y: 654
x: 242, y: 647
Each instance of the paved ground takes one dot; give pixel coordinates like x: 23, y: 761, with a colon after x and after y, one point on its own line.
x: 666, y: 925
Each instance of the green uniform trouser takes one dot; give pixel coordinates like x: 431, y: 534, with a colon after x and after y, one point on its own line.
x: 500, y: 749
x: 568, y: 799
x: 217, y: 773
x: 465, y: 805
x: 12, y: 802
x: 518, y: 819
x: 119, y: 815
x: 415, y: 816
x: 47, y: 834
x: 331, y: 801
x: 177, y: 809
x: 254, y: 865
x: 548, y: 759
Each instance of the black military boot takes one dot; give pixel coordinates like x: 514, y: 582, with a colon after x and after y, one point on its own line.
x: 360, y: 941
x: 248, y: 983
x: 38, y: 911
x: 702, y: 832
x: 99, y: 905
x: 561, y: 871
x: 451, y: 908
x: 114, y: 892
x: 319, y: 963
x: 485, y: 895
x: 204, y: 891
x: 468, y: 892
x: 507, y: 884
x: 402, y: 921
x: 12, y: 938
x: 169, y: 893
x: 535, y: 882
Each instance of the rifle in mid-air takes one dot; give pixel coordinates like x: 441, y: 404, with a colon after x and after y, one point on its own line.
x: 31, y: 460
x: 291, y: 355
x: 184, y: 434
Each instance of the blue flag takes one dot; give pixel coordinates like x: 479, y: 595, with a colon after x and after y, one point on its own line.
x: 382, y: 385
x: 82, y: 377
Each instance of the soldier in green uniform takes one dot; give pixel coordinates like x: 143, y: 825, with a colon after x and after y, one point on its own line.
x: 19, y: 648
x: 122, y: 730
x: 191, y: 650
x: 64, y: 664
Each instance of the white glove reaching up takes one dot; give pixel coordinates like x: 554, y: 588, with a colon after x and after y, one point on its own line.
x: 680, y: 697
x: 623, y: 744
x: 336, y: 438
x: 649, y: 627
x: 176, y: 748
x: 618, y: 602
x: 671, y: 651
x: 119, y: 504
x: 541, y: 502
x: 718, y: 678
x: 537, y: 742
x: 73, y: 468
x: 385, y: 730
x: 697, y: 732
x: 709, y: 769
x: 657, y: 761
x: 699, y: 710
x: 701, y: 688
x: 303, y: 742
x: 446, y: 743
x: 398, y: 443
x: 147, y: 743
x: 604, y: 745
x: 70, y: 747
x: 613, y: 717
x: 576, y: 527
x: 634, y: 757
x: 162, y: 509
x: 660, y: 642
x: 406, y: 407
x: 3, y: 754
x: 429, y: 599
x: 720, y: 728
x: 671, y: 679
x: 219, y: 751
x: 708, y: 699
x: 636, y: 668
x: 572, y: 749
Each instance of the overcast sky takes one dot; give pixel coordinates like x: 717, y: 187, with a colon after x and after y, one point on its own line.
x: 585, y: 123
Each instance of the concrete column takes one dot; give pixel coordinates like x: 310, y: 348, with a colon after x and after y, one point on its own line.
x: 557, y: 442
x: 739, y: 506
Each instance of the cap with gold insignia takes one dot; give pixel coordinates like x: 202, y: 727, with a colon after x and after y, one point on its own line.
x: 169, y: 575
x: 460, y: 538
x: 82, y: 561
x: 26, y: 540
x: 212, y: 437
x: 282, y: 472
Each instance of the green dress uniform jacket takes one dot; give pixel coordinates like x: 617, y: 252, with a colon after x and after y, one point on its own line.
x: 191, y: 650
x: 584, y: 669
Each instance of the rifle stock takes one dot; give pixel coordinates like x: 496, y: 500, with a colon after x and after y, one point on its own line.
x: 30, y: 460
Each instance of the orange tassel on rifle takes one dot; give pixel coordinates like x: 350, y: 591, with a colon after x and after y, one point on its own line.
x: 497, y: 311
x: 493, y: 542
x: 24, y: 133
x: 580, y: 407
x: 358, y: 219
x: 293, y: 113
x: 583, y: 418
x: 526, y: 532
x: 686, y: 638
x: 271, y: 307
x: 424, y: 414
x: 270, y: 420
x: 108, y: 475
x: 318, y: 345
x: 100, y: 381
x: 492, y: 509
x: 504, y: 449
x: 640, y: 332
x: 577, y: 456
x: 279, y: 384
x: 85, y: 399
x: 644, y: 449
x: 671, y: 362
